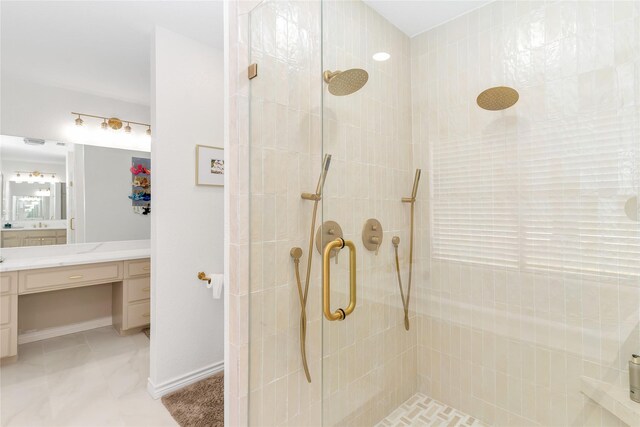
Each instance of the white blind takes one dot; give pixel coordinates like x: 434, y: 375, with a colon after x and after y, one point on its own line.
x: 551, y: 198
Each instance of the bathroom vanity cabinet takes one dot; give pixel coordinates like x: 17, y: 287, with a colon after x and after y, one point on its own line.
x: 32, y: 237
x: 131, y: 289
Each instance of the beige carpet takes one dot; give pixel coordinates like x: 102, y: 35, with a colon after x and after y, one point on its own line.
x: 200, y: 404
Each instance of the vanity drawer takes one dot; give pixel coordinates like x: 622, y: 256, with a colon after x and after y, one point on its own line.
x: 138, y: 314
x: 8, y: 341
x: 137, y: 268
x: 138, y: 289
x: 8, y: 307
x: 49, y: 279
x: 9, y: 283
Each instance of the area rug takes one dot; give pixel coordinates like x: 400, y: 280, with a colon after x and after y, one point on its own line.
x: 199, y: 404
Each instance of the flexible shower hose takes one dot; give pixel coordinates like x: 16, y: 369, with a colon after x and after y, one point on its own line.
x: 405, y: 302
x: 302, y: 294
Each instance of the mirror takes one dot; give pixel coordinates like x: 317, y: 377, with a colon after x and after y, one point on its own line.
x: 33, y: 201
x: 56, y: 192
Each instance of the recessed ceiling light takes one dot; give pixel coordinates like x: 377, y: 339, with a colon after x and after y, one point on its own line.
x: 381, y: 56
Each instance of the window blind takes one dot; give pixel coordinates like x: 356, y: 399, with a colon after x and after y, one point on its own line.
x: 550, y: 198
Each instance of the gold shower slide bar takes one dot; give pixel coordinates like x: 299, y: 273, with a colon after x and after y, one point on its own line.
x: 339, y: 314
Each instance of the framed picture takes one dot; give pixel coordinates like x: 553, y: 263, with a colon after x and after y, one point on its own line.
x: 209, y: 165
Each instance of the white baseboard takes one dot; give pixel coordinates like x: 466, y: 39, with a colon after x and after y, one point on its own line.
x: 157, y: 391
x: 58, y: 331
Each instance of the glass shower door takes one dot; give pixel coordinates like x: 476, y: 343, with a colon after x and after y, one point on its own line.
x: 368, y: 339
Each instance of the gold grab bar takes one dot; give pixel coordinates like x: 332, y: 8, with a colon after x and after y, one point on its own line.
x: 339, y: 314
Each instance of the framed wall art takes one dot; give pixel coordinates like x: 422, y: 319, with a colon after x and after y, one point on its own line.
x: 209, y: 165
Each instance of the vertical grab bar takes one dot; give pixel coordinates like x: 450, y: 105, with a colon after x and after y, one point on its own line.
x: 339, y: 314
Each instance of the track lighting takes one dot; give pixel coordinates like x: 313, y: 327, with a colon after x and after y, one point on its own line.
x: 113, y: 123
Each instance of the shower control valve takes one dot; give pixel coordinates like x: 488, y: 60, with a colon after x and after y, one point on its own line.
x: 372, y: 235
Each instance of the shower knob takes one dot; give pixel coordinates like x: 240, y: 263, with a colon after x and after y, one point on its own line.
x: 372, y: 235
x: 328, y: 232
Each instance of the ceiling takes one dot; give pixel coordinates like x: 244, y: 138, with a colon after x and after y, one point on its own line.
x: 417, y: 16
x: 97, y: 47
x: 103, y: 47
x: 14, y: 148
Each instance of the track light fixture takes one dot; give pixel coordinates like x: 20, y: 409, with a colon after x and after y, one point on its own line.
x: 113, y: 123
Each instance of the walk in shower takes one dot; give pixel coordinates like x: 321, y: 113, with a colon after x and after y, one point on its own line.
x: 492, y: 163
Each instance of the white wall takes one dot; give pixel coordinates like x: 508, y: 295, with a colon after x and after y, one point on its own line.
x: 108, y: 214
x: 187, y: 220
x: 38, y: 111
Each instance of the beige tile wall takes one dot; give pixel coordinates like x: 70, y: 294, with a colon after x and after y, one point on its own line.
x: 369, y: 360
x: 508, y: 345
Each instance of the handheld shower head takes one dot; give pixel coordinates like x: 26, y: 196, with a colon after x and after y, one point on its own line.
x: 414, y: 192
x: 323, y: 175
x: 416, y: 181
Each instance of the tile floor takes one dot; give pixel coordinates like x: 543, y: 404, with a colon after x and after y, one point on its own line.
x: 92, y: 378
x: 421, y: 410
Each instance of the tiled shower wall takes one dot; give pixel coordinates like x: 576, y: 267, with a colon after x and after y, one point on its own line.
x: 366, y: 365
x: 369, y: 360
x: 509, y: 344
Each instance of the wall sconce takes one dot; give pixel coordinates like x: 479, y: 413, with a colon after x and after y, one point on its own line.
x: 113, y: 123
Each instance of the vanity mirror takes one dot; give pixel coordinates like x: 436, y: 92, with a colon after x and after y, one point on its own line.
x: 55, y: 193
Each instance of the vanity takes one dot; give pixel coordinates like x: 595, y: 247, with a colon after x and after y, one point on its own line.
x: 75, y: 246
x: 125, y: 266
x: 15, y: 238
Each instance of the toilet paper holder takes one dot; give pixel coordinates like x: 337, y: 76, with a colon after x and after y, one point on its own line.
x: 203, y: 276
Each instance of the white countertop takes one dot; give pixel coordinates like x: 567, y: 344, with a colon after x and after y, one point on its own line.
x: 33, y: 228
x: 29, y: 258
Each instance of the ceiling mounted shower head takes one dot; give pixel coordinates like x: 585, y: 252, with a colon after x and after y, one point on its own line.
x: 497, y: 98
x: 345, y: 82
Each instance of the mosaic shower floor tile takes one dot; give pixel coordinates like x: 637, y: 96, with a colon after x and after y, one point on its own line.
x: 421, y: 410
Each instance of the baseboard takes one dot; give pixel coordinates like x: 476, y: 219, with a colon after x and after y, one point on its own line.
x: 157, y: 391
x: 59, y: 331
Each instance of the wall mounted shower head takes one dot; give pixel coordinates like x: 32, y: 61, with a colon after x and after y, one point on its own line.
x: 497, y: 98
x: 345, y: 82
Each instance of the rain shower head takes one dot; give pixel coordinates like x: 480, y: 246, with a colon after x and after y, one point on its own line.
x: 345, y: 82
x: 497, y: 98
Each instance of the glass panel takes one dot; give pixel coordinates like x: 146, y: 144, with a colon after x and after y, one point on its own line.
x: 369, y: 358
x: 285, y: 158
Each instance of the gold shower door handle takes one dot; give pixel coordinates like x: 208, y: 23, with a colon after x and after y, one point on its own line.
x: 339, y: 314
